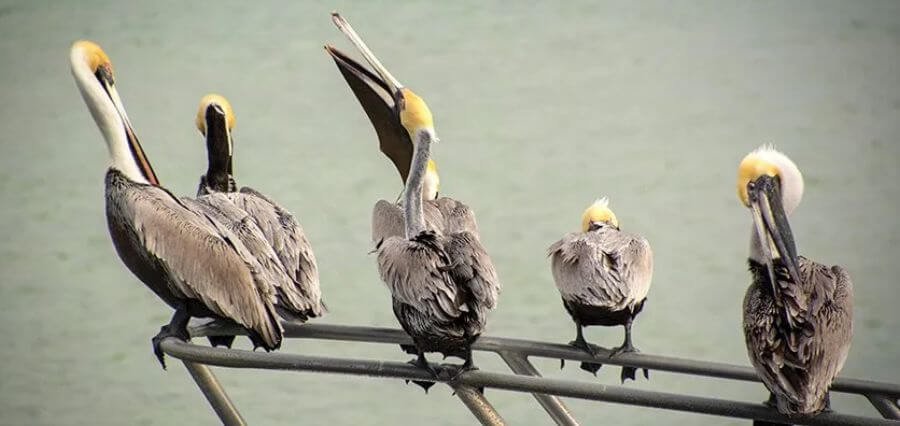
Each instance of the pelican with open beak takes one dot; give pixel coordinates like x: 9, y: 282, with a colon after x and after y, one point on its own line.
x: 380, y: 95
x: 798, y: 314
x: 192, y: 262
x: 442, y: 282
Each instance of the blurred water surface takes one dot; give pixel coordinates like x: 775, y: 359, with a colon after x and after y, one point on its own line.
x: 540, y: 109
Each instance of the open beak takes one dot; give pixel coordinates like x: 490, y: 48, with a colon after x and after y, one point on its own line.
x: 772, y: 226
x: 377, y: 93
x: 393, y: 85
x: 137, y: 151
x: 219, y: 145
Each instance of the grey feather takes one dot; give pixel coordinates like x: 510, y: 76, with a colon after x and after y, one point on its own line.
x: 186, y: 255
x: 287, y: 251
x: 443, y: 287
x: 604, y: 268
x: 444, y: 215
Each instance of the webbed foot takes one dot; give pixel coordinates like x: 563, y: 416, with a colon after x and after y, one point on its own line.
x: 421, y: 362
x: 592, y: 350
x: 179, y: 333
x: 628, y: 372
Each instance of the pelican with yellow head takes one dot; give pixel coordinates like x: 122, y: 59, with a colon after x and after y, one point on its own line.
x: 603, y: 276
x: 442, y: 281
x: 273, y: 234
x: 215, y: 120
x: 798, y: 313
x: 193, y: 264
x: 400, y: 117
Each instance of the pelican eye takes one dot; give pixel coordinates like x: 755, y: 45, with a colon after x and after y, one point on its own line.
x: 104, y: 74
x: 399, y: 102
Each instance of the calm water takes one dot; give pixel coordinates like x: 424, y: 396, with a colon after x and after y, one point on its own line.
x: 540, y: 110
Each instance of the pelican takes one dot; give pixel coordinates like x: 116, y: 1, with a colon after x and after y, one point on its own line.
x: 603, y: 276
x: 442, y: 214
x: 193, y: 263
x: 443, y: 284
x: 798, y: 313
x: 268, y: 230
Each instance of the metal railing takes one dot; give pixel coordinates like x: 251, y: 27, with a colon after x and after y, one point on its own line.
x: 526, y: 378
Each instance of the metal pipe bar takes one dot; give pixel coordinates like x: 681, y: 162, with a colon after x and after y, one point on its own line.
x: 551, y: 404
x: 284, y: 361
x: 552, y: 350
x: 478, y: 405
x: 886, y: 406
x: 215, y: 394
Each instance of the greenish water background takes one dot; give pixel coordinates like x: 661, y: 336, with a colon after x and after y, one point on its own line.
x: 540, y: 108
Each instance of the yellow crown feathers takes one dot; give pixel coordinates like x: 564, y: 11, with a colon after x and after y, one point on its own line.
x: 598, y: 212
x: 754, y: 165
x: 219, y: 100
x: 94, y: 54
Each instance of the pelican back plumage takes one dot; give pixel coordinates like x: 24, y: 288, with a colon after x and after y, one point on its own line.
x: 605, y: 269
x: 159, y: 239
x: 442, y: 288
x: 799, y: 363
x: 443, y: 215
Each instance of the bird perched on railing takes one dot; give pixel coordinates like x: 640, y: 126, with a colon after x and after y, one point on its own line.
x: 603, y: 276
x: 442, y: 282
x: 798, y: 313
x: 191, y: 261
x: 270, y: 232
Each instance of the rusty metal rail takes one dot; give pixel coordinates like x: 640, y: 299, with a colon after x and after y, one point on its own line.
x: 526, y: 378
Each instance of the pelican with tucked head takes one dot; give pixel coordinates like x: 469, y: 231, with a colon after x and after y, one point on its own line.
x: 603, y: 276
x: 376, y: 93
x: 271, y: 233
x: 189, y: 260
x: 442, y: 282
x: 798, y: 313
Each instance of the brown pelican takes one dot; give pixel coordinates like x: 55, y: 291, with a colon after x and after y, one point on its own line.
x: 191, y: 262
x: 443, y: 284
x: 603, y: 275
x: 268, y: 230
x: 442, y: 214
x: 798, y: 314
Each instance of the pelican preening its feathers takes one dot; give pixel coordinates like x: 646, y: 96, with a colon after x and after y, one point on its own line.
x: 798, y: 313
x: 441, y: 279
x: 603, y: 276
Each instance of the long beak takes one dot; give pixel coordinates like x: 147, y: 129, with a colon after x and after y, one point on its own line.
x: 219, y: 145
x: 135, y: 145
x: 377, y: 100
x: 393, y: 85
x: 773, y: 228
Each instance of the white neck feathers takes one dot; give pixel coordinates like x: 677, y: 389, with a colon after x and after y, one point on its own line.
x: 106, y: 115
